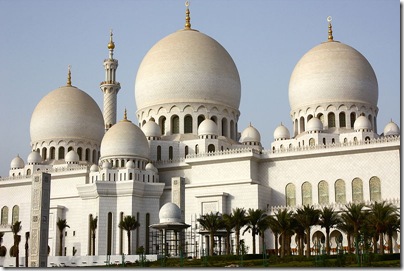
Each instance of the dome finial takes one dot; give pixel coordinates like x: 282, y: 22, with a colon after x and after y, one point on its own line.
x: 187, y: 17
x: 125, y: 116
x: 111, y: 44
x: 330, y: 37
x: 69, y: 76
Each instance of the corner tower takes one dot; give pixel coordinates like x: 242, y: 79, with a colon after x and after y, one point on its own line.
x: 110, y: 86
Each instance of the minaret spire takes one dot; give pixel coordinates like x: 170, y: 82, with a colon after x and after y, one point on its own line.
x: 187, y: 17
x: 330, y: 37
x: 110, y: 87
x: 69, y: 77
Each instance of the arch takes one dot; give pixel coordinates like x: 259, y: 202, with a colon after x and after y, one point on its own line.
x: 175, y: 124
x: 306, y: 194
x: 52, y: 152
x: 371, y: 121
x: 200, y: 119
x: 170, y: 153
x: 323, y: 197
x: 196, y: 149
x: 331, y: 120
x: 320, y: 116
x: 290, y: 192
x: 352, y: 118
x: 340, y: 194
x: 15, y: 214
x: 159, y: 153
x: 342, y: 121
x: 211, y: 148
x: 4, y: 215
x: 87, y: 157
x: 61, y: 153
x: 44, y: 153
x: 69, y: 148
x: 296, y: 126
x: 336, y: 239
x: 95, y: 156
x: 186, y: 151
x: 302, y: 128
x: 224, y: 127
x: 162, y: 124
x: 357, y: 190
x: 80, y: 153
x: 28, y: 172
x: 312, y: 142
x: 375, y: 189
x: 188, y: 124
x: 232, y: 136
x: 309, y: 117
x: 214, y: 119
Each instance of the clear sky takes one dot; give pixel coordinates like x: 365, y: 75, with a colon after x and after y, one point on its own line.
x: 266, y: 38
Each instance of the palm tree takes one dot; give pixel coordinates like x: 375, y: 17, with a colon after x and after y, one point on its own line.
x: 252, y: 219
x: 392, y: 227
x: 284, y: 225
x: 93, y: 228
x: 129, y: 223
x: 276, y: 229
x: 16, y: 228
x: 26, y: 248
x: 298, y: 229
x: 61, y: 224
x: 211, y: 222
x: 239, y: 222
x: 348, y: 229
x: 262, y: 226
x: 381, y: 214
x: 228, y: 224
x: 3, y: 249
x: 354, y: 215
x: 328, y: 219
x: 309, y: 217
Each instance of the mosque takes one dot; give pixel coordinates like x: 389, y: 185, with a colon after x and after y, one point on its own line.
x: 184, y: 155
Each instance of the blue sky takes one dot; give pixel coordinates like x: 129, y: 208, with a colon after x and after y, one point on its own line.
x: 266, y: 38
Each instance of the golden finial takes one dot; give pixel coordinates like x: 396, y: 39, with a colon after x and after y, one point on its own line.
x: 125, y: 116
x: 187, y: 18
x: 69, y: 77
x: 111, y: 44
x: 330, y: 37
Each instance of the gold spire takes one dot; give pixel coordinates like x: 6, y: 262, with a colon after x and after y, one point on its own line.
x: 330, y: 37
x: 111, y: 44
x: 69, y: 77
x: 125, y: 116
x: 187, y: 18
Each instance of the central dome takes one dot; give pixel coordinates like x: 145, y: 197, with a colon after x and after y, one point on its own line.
x: 187, y: 67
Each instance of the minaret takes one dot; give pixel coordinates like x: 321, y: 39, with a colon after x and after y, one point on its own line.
x: 110, y: 86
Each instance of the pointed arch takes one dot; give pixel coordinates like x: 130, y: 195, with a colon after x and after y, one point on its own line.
x: 375, y: 189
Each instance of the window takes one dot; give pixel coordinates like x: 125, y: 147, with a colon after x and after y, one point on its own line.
x: 4, y: 215
x: 340, y: 196
x: 224, y: 127
x: 162, y: 124
x: 342, y: 122
x: 331, y: 120
x: 158, y: 153
x: 186, y: 150
x: 170, y: 153
x: 200, y: 119
x: 357, y: 190
x: 232, y: 130
x: 323, y: 193
x: 312, y: 142
x: 211, y: 148
x: 352, y: 116
x: 52, y: 153
x: 306, y: 193
x: 302, y: 128
x: 188, y: 124
x: 290, y: 195
x: 87, y: 158
x: 44, y: 154
x: 196, y: 149
x: 15, y: 214
x: 80, y: 152
x: 320, y: 116
x: 375, y: 189
x: 175, y: 124
x: 61, y: 153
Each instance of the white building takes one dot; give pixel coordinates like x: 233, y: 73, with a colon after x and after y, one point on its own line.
x: 187, y: 148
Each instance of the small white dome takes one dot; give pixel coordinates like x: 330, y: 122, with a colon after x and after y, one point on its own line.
x: 170, y: 212
x: 106, y: 165
x: 72, y: 157
x: 130, y: 164
x: 362, y: 123
x: 34, y: 158
x: 151, y: 129
x: 391, y: 129
x: 17, y: 162
x: 250, y: 134
x: 151, y: 167
x: 124, y: 139
x: 207, y: 127
x: 314, y: 124
x: 94, y: 168
x: 281, y: 132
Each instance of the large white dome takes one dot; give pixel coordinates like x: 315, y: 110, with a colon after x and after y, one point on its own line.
x: 170, y: 212
x: 187, y: 67
x: 67, y: 113
x: 124, y: 139
x: 332, y: 72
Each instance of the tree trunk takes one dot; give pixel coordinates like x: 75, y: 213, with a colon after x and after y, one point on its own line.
x: 374, y: 243
x: 238, y: 242
x: 253, y: 237
x: 212, y: 243
x: 26, y: 253
x: 93, y: 250
x: 381, y: 239
x: 327, y: 240
x: 308, y: 243
x: 61, y: 244
x: 276, y: 244
x: 228, y: 244
x: 390, y: 243
x: 17, y: 239
x: 128, y: 233
x: 283, y: 245
x: 349, y: 242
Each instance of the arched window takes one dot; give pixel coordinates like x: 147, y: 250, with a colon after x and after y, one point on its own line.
x: 95, y: 156
x: 188, y: 124
x: 331, y: 120
x: 196, y: 149
x: 4, y: 215
x: 162, y: 124
x: 52, y: 153
x: 352, y: 116
x: 15, y: 214
x: 61, y: 153
x: 342, y: 122
x: 296, y: 125
x: 302, y: 128
x: 186, y: 151
x: 340, y: 196
x: 309, y: 117
x: 306, y: 194
x: 371, y: 121
x: 70, y: 148
x: 80, y: 153
x: 290, y: 191
x: 232, y: 130
x: 323, y: 193
x: 44, y: 154
x: 224, y: 127
x: 312, y: 142
x: 320, y: 116
x: 211, y: 148
x: 357, y: 190
x: 170, y: 153
x: 375, y: 189
x: 158, y: 153
x: 175, y: 124
x: 87, y: 158
x: 200, y: 119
